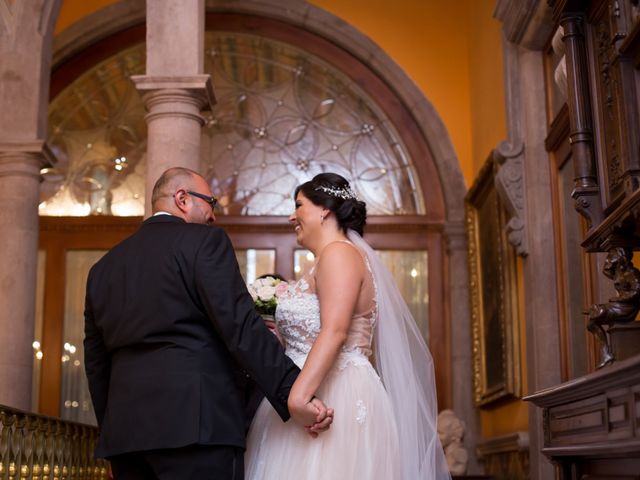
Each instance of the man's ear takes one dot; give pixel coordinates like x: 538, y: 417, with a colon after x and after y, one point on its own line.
x: 180, y: 199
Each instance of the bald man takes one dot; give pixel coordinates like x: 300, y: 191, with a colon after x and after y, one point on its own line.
x: 171, y: 341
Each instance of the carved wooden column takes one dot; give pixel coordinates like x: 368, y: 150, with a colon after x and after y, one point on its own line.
x: 25, y: 55
x: 586, y: 192
x: 175, y: 88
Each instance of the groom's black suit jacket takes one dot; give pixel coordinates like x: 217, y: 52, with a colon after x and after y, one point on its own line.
x: 172, y: 340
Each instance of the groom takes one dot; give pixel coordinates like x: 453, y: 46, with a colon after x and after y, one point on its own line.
x: 172, y: 341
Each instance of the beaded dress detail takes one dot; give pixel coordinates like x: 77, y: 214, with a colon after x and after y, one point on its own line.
x: 363, y: 440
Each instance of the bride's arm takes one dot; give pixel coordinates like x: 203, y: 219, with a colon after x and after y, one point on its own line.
x: 338, y: 276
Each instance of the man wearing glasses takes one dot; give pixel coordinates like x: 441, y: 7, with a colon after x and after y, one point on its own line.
x: 172, y: 340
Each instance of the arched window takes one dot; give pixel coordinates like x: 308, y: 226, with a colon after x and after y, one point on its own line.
x: 282, y: 115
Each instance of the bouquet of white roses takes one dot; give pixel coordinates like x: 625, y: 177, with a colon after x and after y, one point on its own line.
x: 265, y: 292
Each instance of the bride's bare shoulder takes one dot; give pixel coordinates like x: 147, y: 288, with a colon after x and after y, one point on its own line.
x: 340, y: 256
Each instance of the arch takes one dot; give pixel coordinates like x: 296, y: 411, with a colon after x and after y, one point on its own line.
x: 130, y: 14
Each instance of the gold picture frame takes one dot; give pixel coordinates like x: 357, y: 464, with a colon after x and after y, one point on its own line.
x: 493, y: 291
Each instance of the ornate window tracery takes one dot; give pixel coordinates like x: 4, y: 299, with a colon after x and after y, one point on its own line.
x: 283, y: 115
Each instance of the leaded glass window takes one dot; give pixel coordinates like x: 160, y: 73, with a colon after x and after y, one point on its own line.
x: 283, y: 115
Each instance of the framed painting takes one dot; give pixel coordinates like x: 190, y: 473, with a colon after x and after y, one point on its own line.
x: 493, y: 291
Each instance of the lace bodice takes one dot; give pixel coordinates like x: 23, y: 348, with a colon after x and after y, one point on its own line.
x: 299, y: 323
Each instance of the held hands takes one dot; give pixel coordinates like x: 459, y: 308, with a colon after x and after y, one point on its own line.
x: 313, y: 415
x: 271, y: 325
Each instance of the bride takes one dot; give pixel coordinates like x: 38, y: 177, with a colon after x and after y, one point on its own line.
x: 341, y: 319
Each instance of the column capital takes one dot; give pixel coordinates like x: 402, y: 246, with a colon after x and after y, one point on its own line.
x: 455, y: 235
x: 198, y: 87
x: 25, y: 157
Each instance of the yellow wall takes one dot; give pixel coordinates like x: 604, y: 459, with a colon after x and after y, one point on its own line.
x: 73, y: 10
x: 488, y: 117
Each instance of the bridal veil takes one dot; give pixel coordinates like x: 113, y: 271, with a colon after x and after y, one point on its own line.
x: 405, y: 366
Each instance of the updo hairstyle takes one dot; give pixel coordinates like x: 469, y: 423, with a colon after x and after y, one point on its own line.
x: 331, y: 191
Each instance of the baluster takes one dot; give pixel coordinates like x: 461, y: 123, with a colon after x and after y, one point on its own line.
x: 39, y: 430
x: 28, y: 443
x: 58, y: 449
x: 5, y: 431
x: 14, y: 452
x: 49, y: 450
x: 66, y: 450
x: 84, y: 459
x: 74, y: 447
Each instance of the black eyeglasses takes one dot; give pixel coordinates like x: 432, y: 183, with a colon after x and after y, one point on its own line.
x: 212, y: 201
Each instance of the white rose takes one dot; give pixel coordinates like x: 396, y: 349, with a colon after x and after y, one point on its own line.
x: 266, y: 293
x: 253, y: 293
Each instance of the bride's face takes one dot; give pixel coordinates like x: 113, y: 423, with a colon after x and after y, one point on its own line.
x: 306, y: 220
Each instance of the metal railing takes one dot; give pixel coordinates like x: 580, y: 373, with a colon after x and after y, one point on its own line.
x: 44, y: 448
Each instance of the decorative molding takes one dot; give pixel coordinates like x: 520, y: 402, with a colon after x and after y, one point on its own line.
x: 509, y: 156
x: 594, y: 417
x: 510, y: 186
x: 511, y: 442
x: 526, y: 22
x: 618, y: 228
x: 506, y: 456
x: 158, y: 90
x: 25, y: 158
x: 619, y: 375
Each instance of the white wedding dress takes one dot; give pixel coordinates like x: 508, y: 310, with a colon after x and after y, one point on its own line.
x: 362, y: 442
x: 385, y: 423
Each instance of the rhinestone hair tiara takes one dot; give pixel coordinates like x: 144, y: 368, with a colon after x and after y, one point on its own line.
x: 344, y: 193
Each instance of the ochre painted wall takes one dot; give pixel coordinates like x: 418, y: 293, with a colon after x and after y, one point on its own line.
x: 488, y: 117
x: 73, y: 10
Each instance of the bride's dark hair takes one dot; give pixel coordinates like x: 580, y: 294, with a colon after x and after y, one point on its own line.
x: 332, y: 191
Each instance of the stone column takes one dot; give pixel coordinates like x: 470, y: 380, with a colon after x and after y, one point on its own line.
x: 541, y: 302
x: 175, y: 88
x: 20, y: 165
x: 25, y: 59
x: 461, y: 361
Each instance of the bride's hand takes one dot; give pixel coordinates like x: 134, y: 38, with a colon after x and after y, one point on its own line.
x: 313, y: 415
x: 324, y: 419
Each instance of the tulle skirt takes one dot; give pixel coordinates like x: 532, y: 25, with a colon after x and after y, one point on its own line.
x: 362, y: 442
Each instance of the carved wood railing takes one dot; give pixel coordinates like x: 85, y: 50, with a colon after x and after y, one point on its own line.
x: 43, y: 448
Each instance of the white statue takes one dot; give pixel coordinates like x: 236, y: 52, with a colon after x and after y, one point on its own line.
x: 451, y: 433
